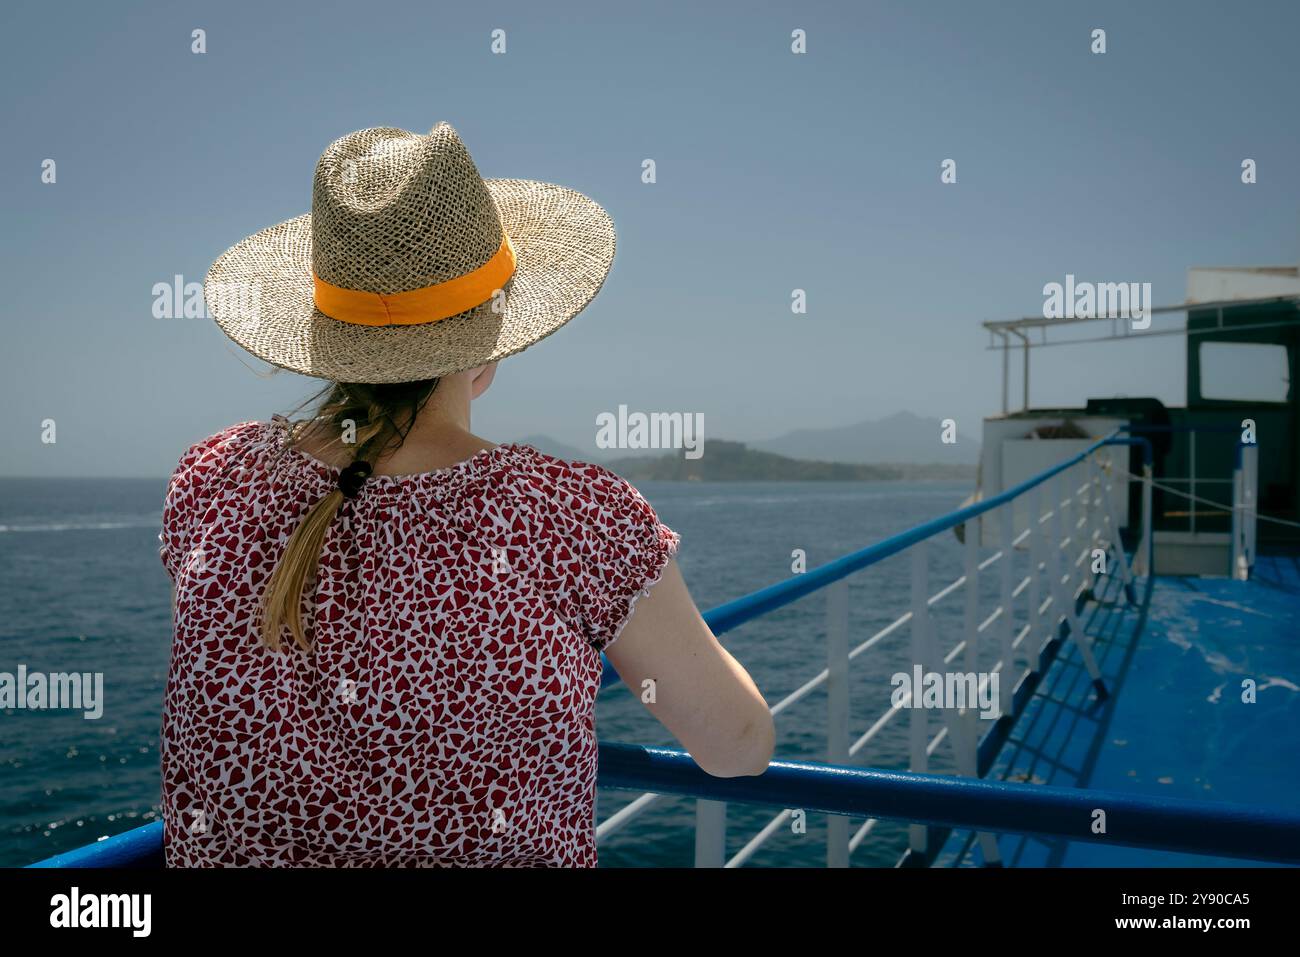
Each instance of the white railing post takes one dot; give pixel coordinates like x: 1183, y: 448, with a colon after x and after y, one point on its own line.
x: 918, y: 730
x: 1062, y: 537
x: 1006, y: 679
x: 837, y: 715
x: 1091, y: 524
x: 1064, y: 499
x: 1244, y: 480
x: 1102, y: 512
x: 1148, y: 546
x: 1238, y: 567
x: 1034, y: 639
x: 1063, y: 599
x: 1081, y: 539
x: 971, y: 636
x: 710, y: 833
x: 970, y: 611
x: 1250, y: 461
x: 1072, y: 512
x: 1006, y: 629
x: 963, y: 726
x: 1115, y: 542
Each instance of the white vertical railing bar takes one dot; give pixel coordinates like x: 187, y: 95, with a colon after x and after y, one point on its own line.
x: 1250, y: 464
x: 1007, y: 624
x: 710, y: 833
x: 1093, y: 509
x: 918, y: 757
x: 1245, y: 478
x: 1063, y: 605
x: 1238, y: 559
x: 1148, y: 537
x: 837, y: 714
x: 970, y: 614
x: 964, y: 747
x: 1035, y: 528
x: 1113, y: 539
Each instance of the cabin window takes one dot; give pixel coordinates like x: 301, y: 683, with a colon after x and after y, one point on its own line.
x: 1245, y: 371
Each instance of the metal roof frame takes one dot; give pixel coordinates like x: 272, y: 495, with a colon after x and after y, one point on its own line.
x: 1022, y: 329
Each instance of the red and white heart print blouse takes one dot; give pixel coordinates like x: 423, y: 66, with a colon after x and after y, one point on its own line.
x: 445, y: 716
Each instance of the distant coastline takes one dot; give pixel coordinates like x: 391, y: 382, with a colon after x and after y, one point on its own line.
x: 898, y: 447
x: 725, y: 461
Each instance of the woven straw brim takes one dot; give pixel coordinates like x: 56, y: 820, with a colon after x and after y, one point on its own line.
x: 261, y: 294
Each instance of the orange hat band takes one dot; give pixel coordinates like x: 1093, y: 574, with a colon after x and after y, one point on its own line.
x: 419, y: 306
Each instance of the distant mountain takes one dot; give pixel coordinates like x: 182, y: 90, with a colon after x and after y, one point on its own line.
x: 725, y: 461
x: 544, y: 443
x: 562, y: 450
x: 903, y: 437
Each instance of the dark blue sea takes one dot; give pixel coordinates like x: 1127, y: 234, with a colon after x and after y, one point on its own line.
x: 83, y: 590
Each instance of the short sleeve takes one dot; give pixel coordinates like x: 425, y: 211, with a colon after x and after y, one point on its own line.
x: 623, y: 550
x: 185, y: 503
x: 178, y: 510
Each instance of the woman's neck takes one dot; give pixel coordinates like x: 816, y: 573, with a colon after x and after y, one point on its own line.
x: 439, y: 437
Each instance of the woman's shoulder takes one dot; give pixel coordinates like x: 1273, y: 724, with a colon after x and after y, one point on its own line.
x: 584, y: 496
x: 575, y: 481
x: 218, y: 447
x: 605, y: 543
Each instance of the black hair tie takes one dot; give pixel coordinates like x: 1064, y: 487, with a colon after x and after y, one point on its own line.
x: 353, y: 477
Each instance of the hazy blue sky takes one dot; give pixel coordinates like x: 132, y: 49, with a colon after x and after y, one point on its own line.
x: 775, y: 172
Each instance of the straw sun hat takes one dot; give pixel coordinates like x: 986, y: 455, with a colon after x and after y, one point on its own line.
x: 410, y: 265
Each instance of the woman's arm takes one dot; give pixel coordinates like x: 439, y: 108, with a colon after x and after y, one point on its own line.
x: 700, y: 693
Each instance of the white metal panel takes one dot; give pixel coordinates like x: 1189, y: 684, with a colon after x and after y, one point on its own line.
x: 1023, y: 458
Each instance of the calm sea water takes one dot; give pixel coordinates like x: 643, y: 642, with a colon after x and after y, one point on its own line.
x: 81, y: 589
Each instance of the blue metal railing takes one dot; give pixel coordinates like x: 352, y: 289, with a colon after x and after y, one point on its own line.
x: 138, y: 847
x: 1199, y: 827
x: 1131, y: 820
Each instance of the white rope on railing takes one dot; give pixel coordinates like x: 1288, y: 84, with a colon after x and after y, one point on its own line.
x: 1225, y: 506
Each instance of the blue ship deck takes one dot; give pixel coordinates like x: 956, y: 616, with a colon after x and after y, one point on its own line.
x: 1176, y: 725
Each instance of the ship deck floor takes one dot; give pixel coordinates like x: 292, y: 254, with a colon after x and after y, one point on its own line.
x: 1176, y: 724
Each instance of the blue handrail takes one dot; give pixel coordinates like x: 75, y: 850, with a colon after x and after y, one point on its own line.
x: 138, y: 847
x: 1131, y: 820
